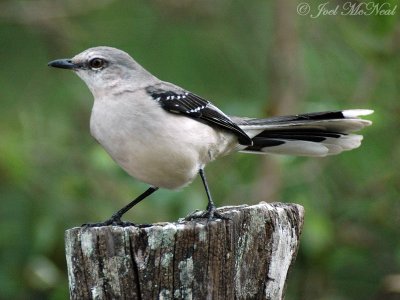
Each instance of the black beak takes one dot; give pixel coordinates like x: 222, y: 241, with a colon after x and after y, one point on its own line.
x: 63, y: 64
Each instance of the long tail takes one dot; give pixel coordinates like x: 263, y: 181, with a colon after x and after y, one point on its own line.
x: 314, y: 134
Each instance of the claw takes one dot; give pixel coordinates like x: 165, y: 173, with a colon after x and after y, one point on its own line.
x: 110, y: 222
x: 209, y: 214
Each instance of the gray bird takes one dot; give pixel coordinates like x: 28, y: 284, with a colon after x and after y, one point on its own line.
x: 164, y: 135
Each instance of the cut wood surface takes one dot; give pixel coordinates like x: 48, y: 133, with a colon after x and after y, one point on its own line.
x: 245, y: 257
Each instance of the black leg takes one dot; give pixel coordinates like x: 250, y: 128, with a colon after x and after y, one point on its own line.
x: 116, y: 218
x: 210, y: 206
x: 210, y: 213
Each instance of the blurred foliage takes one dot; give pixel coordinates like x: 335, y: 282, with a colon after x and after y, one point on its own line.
x: 54, y: 176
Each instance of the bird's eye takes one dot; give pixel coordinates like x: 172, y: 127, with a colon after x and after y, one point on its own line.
x: 96, y: 63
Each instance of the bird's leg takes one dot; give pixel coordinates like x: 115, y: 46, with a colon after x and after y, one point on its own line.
x: 210, y: 205
x: 116, y: 218
x: 210, y: 212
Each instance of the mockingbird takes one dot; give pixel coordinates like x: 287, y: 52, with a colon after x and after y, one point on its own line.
x: 164, y: 135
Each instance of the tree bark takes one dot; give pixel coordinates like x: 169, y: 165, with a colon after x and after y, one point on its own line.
x: 244, y: 257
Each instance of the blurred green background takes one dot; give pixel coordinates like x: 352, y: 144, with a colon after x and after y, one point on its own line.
x: 251, y: 58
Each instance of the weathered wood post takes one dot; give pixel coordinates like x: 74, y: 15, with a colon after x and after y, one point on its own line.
x: 246, y: 257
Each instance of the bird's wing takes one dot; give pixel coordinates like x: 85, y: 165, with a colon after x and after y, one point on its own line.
x: 193, y: 106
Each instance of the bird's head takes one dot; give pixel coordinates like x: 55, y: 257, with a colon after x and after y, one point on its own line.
x: 105, y: 70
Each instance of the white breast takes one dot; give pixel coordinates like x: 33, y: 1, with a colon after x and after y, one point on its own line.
x: 152, y: 145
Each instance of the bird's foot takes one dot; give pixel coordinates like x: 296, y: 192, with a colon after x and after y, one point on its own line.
x: 110, y: 222
x: 209, y: 214
x: 115, y: 220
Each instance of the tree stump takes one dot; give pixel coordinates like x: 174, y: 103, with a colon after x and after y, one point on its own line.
x: 245, y: 257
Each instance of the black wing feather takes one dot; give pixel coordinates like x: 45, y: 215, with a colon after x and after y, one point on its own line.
x: 195, y: 107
